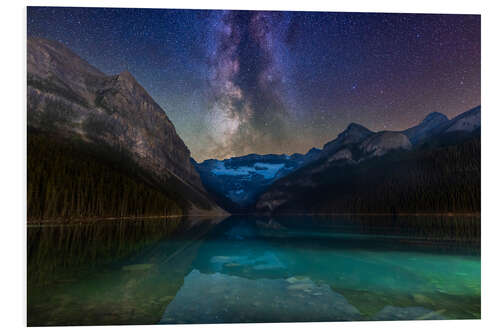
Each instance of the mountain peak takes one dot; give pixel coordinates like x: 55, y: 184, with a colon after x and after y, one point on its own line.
x: 434, y: 116
x: 426, y: 127
x: 128, y: 78
x: 54, y: 62
x: 352, y: 134
x: 48, y: 56
x: 354, y: 130
x: 355, y: 126
x: 126, y: 75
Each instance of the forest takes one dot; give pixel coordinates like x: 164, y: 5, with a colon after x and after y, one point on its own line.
x: 70, y: 179
x: 435, y: 178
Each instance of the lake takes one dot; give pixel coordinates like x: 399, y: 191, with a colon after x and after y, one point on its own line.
x: 254, y: 269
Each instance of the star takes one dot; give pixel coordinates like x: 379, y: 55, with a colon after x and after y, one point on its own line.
x: 240, y: 82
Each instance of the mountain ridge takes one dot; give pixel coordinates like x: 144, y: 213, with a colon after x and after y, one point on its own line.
x: 380, y: 162
x: 355, y: 145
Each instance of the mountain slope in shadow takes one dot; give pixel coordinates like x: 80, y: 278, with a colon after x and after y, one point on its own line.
x: 99, y: 145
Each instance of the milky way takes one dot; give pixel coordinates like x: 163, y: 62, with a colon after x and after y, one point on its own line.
x: 240, y: 82
x: 247, y: 83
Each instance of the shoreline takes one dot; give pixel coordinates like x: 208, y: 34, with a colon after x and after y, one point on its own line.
x: 370, y: 214
x: 80, y: 220
x: 94, y: 219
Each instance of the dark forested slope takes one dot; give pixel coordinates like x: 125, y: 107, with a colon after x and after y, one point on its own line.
x: 71, y: 179
x: 436, y: 177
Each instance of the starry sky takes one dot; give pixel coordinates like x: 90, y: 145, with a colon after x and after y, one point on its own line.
x: 240, y: 82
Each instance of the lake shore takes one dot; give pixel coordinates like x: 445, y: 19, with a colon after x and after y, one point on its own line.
x: 97, y: 218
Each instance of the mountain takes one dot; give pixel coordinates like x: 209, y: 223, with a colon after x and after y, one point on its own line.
x: 341, y: 147
x: 381, y: 143
x: 236, y: 182
x: 425, y: 129
x: 311, y: 155
x: 119, y: 132
x: 354, y: 133
x: 385, y: 172
x: 466, y: 122
x: 275, y: 183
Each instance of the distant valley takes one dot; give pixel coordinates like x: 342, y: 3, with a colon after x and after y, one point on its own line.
x: 237, y: 182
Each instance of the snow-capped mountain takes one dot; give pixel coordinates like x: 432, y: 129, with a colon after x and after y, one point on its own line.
x: 239, y: 180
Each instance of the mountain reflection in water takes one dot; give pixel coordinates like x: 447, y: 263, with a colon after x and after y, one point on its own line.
x: 254, y: 269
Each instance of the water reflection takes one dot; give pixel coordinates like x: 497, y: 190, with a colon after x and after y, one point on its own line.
x: 232, y: 299
x: 254, y: 269
x: 118, y: 272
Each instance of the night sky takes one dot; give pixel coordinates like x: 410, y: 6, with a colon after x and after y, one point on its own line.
x: 240, y: 82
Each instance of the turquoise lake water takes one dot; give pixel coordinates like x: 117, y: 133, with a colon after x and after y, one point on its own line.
x: 254, y: 269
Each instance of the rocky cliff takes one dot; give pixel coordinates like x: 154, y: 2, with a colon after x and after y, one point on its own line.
x: 74, y: 100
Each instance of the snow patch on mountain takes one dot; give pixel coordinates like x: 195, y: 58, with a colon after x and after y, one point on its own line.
x: 267, y: 170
